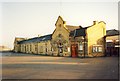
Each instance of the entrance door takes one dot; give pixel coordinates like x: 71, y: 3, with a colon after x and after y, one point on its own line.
x: 74, y: 48
x: 112, y: 51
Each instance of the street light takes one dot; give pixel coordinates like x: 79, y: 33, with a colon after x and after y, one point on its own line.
x: 84, y: 45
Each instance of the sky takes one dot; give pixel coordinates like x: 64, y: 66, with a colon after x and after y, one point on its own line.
x: 31, y: 18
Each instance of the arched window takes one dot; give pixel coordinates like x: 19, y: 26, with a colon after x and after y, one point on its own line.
x: 59, y: 25
x: 59, y: 35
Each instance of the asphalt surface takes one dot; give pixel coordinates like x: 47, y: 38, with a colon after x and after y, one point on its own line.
x: 29, y: 66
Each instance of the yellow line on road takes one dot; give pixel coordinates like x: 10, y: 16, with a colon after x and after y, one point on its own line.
x: 66, y: 63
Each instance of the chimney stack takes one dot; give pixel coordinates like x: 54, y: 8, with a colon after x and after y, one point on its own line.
x: 95, y: 22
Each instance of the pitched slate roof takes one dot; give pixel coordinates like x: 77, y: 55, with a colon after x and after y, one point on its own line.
x: 78, y: 32
x: 71, y: 28
x: 112, y: 32
x: 18, y: 39
x: 37, y: 39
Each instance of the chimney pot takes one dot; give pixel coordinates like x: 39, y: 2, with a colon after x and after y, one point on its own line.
x: 95, y: 22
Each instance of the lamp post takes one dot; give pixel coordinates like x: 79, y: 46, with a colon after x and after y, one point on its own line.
x: 84, y: 41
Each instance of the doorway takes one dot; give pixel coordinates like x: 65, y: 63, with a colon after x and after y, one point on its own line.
x: 74, y: 50
x: 60, y: 49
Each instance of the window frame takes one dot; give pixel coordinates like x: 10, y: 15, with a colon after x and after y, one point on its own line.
x: 96, y: 49
x: 79, y: 50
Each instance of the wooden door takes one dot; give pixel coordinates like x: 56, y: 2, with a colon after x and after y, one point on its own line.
x: 74, y: 50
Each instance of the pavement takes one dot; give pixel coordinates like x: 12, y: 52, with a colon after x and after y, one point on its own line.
x: 30, y: 66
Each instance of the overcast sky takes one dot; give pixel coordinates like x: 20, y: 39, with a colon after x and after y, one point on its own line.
x: 28, y: 19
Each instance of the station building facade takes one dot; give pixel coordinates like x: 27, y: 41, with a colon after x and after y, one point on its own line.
x: 67, y: 40
x: 112, y: 42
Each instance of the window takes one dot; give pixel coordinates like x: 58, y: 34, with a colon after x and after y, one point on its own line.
x: 59, y: 35
x: 51, y: 48
x: 65, y: 49
x: 27, y: 48
x: 46, y: 49
x: 30, y: 47
x: 59, y: 25
x: 80, y: 47
x: 68, y: 49
x: 60, y: 50
x: 60, y: 47
x: 109, y: 41
x: 97, y: 48
x: 35, y: 47
x: 94, y: 50
x: 117, y: 40
x: 41, y: 49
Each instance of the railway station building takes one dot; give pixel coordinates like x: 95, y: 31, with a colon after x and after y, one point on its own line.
x: 67, y: 40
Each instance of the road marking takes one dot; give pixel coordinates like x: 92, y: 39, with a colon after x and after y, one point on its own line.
x: 66, y: 63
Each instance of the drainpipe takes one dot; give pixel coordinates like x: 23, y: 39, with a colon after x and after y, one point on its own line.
x: 105, y: 47
x: 74, y: 36
x: 84, y: 46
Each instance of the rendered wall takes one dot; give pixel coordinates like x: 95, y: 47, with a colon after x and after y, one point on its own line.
x: 95, y: 36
